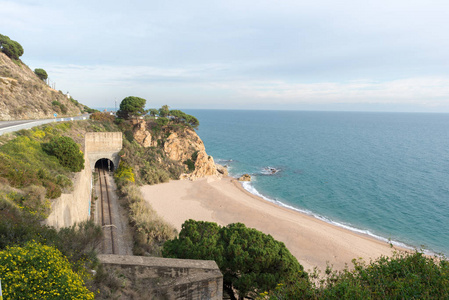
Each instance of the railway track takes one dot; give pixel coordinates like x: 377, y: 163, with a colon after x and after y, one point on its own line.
x: 106, y: 216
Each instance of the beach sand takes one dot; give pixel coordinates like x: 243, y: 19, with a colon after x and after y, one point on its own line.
x: 223, y: 200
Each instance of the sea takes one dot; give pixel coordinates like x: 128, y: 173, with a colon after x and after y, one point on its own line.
x: 381, y: 174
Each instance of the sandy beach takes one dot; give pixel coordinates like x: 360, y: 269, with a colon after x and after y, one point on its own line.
x: 223, y: 200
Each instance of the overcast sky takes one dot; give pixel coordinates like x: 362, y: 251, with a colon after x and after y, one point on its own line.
x: 382, y: 55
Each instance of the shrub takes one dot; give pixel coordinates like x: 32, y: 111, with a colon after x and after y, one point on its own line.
x: 152, y: 175
x: 67, y: 152
x: 102, y: 117
x: 190, y: 165
x: 11, y: 48
x: 124, y: 174
x: 41, y: 73
x: 35, y: 203
x: 37, y: 271
x: 402, y: 276
x: 250, y: 260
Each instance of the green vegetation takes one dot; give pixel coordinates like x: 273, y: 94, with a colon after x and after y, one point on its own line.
x: 131, y: 107
x: 36, y: 271
x: 402, y: 276
x: 59, y: 107
x: 164, y: 111
x: 251, y: 261
x: 11, y: 48
x: 102, y: 117
x: 41, y: 73
x: 24, y: 164
x: 67, y: 152
x: 182, y: 117
x: 150, y: 231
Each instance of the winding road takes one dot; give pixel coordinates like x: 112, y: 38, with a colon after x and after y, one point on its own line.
x: 11, y: 126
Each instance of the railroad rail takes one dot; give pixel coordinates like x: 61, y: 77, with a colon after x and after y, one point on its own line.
x: 106, y: 214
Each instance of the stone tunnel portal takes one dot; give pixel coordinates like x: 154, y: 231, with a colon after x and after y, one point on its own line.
x: 105, y: 164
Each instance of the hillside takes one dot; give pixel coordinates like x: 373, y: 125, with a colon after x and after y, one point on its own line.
x: 24, y: 96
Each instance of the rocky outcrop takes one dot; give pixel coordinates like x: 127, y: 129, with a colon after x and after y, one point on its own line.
x: 223, y: 170
x: 187, y: 145
x: 183, y: 146
x: 142, y: 135
x: 245, y: 177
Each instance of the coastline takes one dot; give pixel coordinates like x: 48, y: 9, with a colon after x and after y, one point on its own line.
x: 314, y: 242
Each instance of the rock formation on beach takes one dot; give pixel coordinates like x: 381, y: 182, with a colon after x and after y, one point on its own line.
x: 180, y: 145
x: 245, y: 177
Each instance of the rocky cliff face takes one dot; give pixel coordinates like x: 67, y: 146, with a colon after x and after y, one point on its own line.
x: 24, y: 96
x: 182, y: 145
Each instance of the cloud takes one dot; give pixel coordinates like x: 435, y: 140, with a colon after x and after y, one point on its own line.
x: 199, y: 84
x: 239, y: 53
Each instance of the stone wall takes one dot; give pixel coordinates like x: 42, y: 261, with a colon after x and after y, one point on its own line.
x: 166, y: 278
x: 74, y: 207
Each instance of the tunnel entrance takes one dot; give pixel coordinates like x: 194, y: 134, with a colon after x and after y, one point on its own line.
x: 105, y: 164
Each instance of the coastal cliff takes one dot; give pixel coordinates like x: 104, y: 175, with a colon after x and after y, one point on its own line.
x: 180, y: 145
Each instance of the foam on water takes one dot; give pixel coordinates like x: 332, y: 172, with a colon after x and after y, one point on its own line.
x: 248, y: 187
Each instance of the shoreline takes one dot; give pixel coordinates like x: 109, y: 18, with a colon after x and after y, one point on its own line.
x: 355, y: 230
x: 224, y: 200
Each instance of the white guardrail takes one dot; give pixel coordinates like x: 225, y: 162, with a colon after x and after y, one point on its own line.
x: 31, y: 124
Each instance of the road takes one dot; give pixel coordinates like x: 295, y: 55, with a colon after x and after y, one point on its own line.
x: 11, y: 126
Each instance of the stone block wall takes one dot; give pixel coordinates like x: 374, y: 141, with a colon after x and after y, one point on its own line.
x: 167, y: 278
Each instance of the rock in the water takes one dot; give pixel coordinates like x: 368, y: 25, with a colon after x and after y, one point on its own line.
x: 245, y: 177
x: 223, y: 170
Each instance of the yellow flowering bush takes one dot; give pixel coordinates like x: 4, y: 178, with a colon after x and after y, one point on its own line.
x: 37, y: 271
x: 124, y: 173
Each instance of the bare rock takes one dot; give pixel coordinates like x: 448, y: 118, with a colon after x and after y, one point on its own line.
x: 223, y: 170
x: 141, y: 134
x: 245, y: 177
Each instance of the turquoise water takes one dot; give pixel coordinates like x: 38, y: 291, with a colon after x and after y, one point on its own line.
x: 384, y: 174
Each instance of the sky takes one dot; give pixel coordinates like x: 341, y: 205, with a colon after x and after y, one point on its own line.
x: 349, y: 55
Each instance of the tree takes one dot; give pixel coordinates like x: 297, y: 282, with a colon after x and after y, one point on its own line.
x: 132, y: 107
x: 182, y: 117
x: 164, y: 111
x: 67, y: 152
x: 250, y: 260
x: 11, y: 48
x: 41, y: 73
x: 153, y: 112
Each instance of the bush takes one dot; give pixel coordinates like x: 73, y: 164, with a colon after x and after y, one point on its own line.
x: 190, y: 165
x: 151, y: 175
x: 251, y: 261
x: 124, y: 174
x: 102, y: 117
x: 41, y: 73
x: 37, y: 271
x: 150, y: 231
x: 403, y: 276
x: 67, y: 152
x: 35, y: 203
x: 11, y: 48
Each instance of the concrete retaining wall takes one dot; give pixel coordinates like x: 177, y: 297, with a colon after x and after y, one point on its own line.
x: 103, y: 145
x: 166, y: 278
x: 74, y: 207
